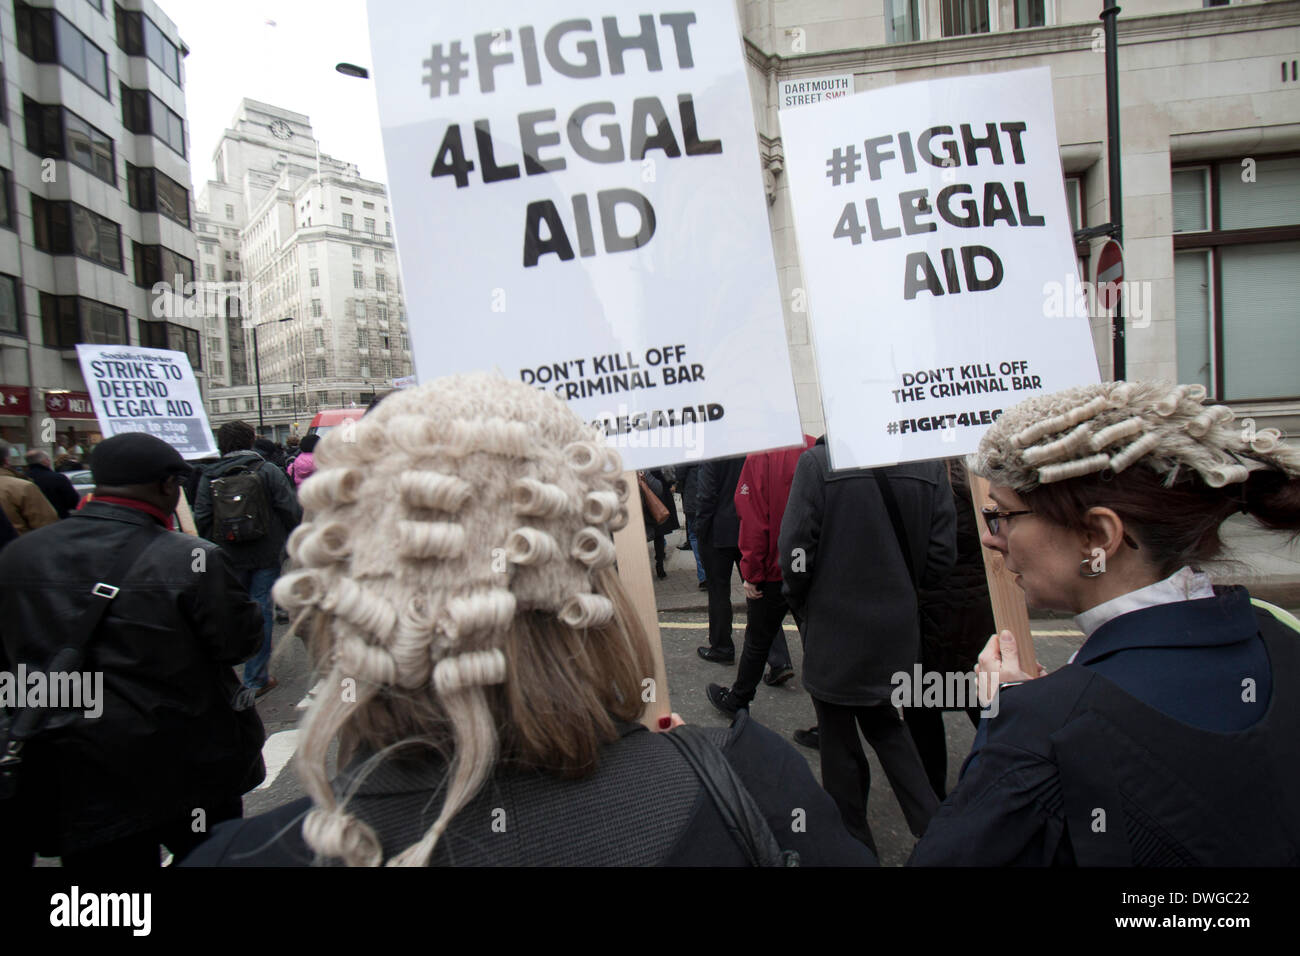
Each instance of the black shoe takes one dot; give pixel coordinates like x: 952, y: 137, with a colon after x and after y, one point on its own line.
x: 722, y: 698
x: 704, y: 585
x: 659, y: 570
x: 810, y: 738
x: 776, y: 676
x: 684, y: 546
x: 716, y: 656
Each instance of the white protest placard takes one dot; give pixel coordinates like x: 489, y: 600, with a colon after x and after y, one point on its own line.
x: 147, y: 390
x: 578, y: 202
x: 938, y: 259
x: 813, y: 89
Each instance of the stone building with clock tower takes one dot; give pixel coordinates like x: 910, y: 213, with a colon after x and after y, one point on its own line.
x: 295, y: 244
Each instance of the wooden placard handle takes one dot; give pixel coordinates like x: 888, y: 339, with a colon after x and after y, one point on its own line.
x: 185, y: 516
x: 1008, y: 600
x: 634, y: 572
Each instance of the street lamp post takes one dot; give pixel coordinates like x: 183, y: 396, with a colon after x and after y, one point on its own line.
x: 257, y: 374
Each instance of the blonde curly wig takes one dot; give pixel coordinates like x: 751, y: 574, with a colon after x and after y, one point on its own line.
x: 441, y: 532
x: 1114, y: 425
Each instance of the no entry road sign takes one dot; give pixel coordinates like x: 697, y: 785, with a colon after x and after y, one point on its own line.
x: 1110, y: 272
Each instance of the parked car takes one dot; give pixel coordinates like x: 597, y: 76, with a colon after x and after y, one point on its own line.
x: 83, y: 481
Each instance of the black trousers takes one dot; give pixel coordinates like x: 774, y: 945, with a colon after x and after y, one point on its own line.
x: 718, y: 565
x: 846, y: 775
x: 140, y: 850
x: 764, y: 639
x: 926, y: 727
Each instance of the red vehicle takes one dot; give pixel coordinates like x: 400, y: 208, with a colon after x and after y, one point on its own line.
x: 331, y: 418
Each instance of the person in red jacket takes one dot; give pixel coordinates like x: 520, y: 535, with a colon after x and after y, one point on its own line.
x: 761, y: 495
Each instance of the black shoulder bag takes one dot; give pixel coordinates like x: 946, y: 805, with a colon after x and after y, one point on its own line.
x: 29, y: 721
x: 734, y: 802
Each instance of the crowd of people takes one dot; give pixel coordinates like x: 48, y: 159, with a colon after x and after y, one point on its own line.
x: 450, y: 564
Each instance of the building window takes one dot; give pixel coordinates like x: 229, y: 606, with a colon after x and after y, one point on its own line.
x: 367, y: 205
x: 315, y: 278
x: 168, y: 335
x: 902, y: 21
x: 370, y: 226
x: 381, y: 282
x: 315, y: 308
x: 218, y: 368
x: 963, y: 17
x: 11, y: 322
x: 6, y: 199
x: 361, y: 311
x: 140, y: 36
x: 363, y: 339
x: 388, y: 228
x: 347, y: 221
x: 142, y: 112
x: 406, y: 343
x: 230, y: 211
x: 383, y: 313
x: 66, y: 229
x: 53, y: 131
x: 150, y: 191
x: 356, y: 252
x: 1236, y: 253
x: 379, y: 257
x: 345, y: 200
x: 248, y: 404
x: 155, y: 264
x: 69, y: 319
x: 358, y: 279
x: 320, y: 368
x: 320, y: 339
x: 1031, y: 13
x: 46, y: 37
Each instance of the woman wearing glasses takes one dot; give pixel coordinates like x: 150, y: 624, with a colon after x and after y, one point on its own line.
x: 1169, y: 739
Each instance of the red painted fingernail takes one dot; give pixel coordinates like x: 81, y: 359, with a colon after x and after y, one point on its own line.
x: 665, y: 723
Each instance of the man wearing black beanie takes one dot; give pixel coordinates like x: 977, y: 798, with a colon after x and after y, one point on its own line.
x: 156, y: 750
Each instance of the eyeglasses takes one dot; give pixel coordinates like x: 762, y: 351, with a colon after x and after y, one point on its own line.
x: 994, y: 518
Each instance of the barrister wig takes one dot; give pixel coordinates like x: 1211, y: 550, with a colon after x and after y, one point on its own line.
x: 453, y: 567
x: 1171, y: 466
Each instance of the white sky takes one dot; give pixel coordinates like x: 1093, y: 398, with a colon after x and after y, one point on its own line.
x: 235, y: 53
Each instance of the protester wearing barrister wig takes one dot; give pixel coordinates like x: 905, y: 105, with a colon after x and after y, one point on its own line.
x: 1170, y: 738
x: 485, y: 670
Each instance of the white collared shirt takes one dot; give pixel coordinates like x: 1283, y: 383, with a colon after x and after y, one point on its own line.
x: 1185, y: 584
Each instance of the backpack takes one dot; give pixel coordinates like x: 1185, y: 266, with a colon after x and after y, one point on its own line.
x: 241, y: 511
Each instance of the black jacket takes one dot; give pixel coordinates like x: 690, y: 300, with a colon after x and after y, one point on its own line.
x: 643, y: 806
x: 55, y: 487
x: 267, y: 552
x: 716, y: 523
x: 844, y: 574
x: 167, y: 740
x: 956, y: 617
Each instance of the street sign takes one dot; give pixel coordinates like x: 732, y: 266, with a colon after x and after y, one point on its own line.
x: 1110, y: 272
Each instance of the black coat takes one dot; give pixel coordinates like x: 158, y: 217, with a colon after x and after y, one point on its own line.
x: 956, y: 617
x: 167, y: 740
x: 716, y: 523
x: 658, y: 483
x: 55, y: 487
x: 844, y: 574
x: 641, y: 806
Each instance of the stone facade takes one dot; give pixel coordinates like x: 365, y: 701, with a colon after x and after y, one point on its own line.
x: 1212, y: 84
x: 313, y: 267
